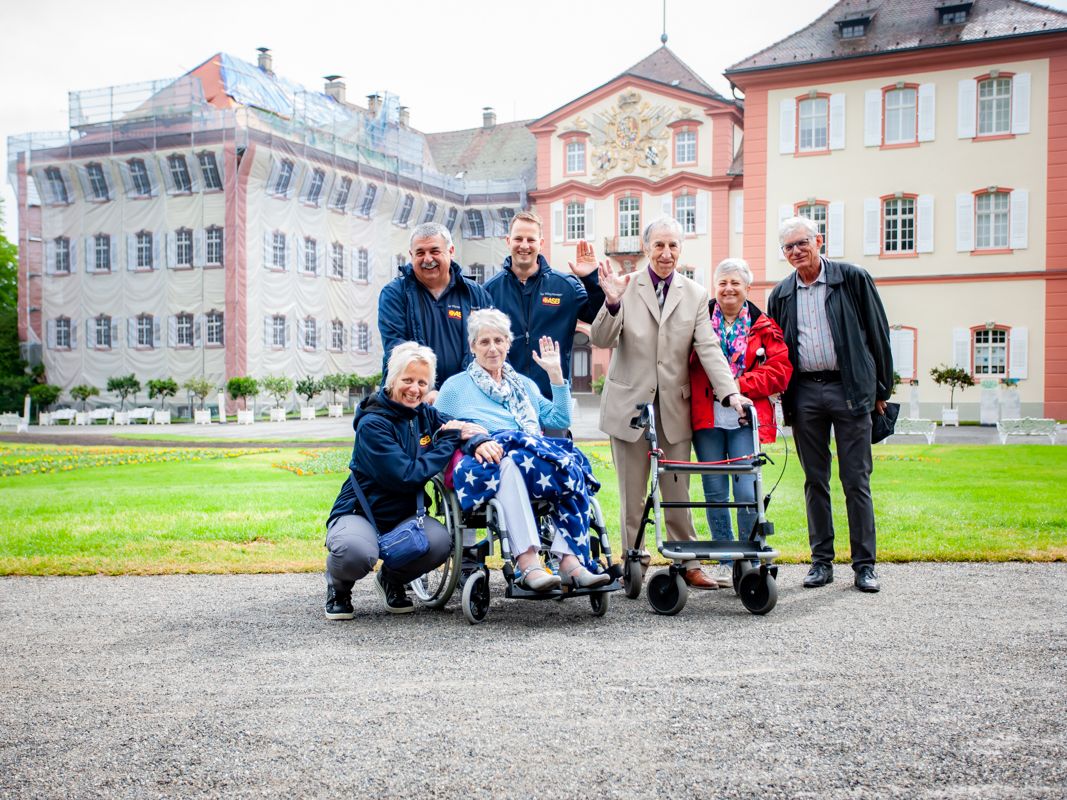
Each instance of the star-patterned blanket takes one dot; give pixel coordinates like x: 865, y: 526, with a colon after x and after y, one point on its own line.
x: 555, y: 471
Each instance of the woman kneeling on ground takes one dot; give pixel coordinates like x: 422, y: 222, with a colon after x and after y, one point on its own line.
x: 516, y: 463
x: 400, y: 443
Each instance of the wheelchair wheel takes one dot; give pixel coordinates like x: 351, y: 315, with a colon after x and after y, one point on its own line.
x: 600, y: 602
x: 476, y: 598
x: 633, y: 578
x: 667, y: 593
x: 435, y: 588
x: 759, y: 591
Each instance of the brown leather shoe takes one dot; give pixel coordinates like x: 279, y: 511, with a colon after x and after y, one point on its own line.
x: 698, y: 579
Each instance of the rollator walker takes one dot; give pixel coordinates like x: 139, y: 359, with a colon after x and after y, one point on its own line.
x: 754, y: 572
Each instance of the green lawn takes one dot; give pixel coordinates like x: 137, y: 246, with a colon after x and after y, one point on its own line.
x: 226, y: 511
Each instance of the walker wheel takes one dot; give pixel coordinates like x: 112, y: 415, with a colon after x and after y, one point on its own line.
x: 759, y: 592
x: 600, y: 602
x: 476, y: 598
x: 633, y: 579
x: 667, y: 593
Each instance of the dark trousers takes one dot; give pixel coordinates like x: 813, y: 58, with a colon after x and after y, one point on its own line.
x: 820, y: 405
x: 352, y: 543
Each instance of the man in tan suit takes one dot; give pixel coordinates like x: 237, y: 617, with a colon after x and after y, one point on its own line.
x: 654, y: 318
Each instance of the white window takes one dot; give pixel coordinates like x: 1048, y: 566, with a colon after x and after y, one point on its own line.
x: 102, y: 252
x: 900, y: 116
x: 405, y: 210
x: 685, y: 211
x: 97, y: 182
x: 142, y: 183
x: 363, y: 265
x: 310, y: 334
x: 629, y: 216
x: 341, y: 193
x: 504, y: 217
x: 575, y: 156
x: 450, y: 221
x: 991, y: 352
x: 685, y: 147
x: 209, y: 168
x: 855, y: 29
x: 813, y: 124
x: 992, y: 212
x: 475, y: 224
x: 213, y: 246
x: 144, y: 330
x: 366, y: 204
x: 183, y: 330
x: 62, y: 328
x: 430, y: 213
x: 283, y: 177
x: 103, y: 332
x: 816, y: 212
x: 62, y: 246
x: 277, y: 329
x: 318, y: 178
x: 898, y: 226
x: 311, y: 255
x: 953, y: 16
x: 337, y: 260
x: 214, y: 328
x: 144, y: 250
x: 57, y: 187
x: 994, y: 106
x: 183, y: 243
x: 337, y: 335
x: 278, y: 250
x: 363, y: 337
x: 575, y: 221
x: 179, y: 173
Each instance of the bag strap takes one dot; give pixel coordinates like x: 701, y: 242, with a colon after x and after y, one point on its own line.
x: 420, y: 508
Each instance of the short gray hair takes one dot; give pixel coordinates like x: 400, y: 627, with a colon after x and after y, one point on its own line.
x: 670, y: 223
x: 428, y: 229
x: 797, y: 223
x: 404, y: 354
x: 487, y: 318
x: 730, y: 266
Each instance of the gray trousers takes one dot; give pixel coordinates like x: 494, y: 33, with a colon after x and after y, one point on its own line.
x: 820, y: 405
x: 352, y: 545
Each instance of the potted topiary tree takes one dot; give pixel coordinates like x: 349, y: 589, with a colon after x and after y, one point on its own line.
x: 333, y: 384
x: 240, y: 388
x: 162, y: 388
x: 124, y: 386
x: 278, y: 387
x: 308, y: 388
x: 200, y: 388
x: 954, y: 378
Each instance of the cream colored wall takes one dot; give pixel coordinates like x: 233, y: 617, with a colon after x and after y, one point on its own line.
x: 942, y: 168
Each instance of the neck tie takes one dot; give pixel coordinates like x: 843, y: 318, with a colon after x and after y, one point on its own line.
x: 661, y: 293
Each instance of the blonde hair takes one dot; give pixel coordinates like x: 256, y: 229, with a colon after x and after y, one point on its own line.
x: 527, y: 216
x: 404, y: 354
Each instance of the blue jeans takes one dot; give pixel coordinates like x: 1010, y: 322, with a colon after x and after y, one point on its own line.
x: 716, y: 444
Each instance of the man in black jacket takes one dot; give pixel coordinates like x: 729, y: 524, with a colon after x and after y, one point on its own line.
x: 838, y: 339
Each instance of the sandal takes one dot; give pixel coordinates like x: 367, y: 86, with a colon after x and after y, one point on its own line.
x: 537, y: 579
x: 582, y: 578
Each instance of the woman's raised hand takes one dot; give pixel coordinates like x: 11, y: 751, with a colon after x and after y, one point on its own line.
x: 549, y: 360
x: 612, y: 284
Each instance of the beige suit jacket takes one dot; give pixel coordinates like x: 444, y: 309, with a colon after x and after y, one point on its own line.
x: 652, y: 352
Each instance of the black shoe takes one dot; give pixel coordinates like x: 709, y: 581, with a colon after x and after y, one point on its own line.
x: 819, y: 575
x: 866, y: 580
x: 393, y: 595
x: 338, y: 604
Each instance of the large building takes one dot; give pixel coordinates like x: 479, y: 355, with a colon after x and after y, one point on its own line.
x: 232, y: 223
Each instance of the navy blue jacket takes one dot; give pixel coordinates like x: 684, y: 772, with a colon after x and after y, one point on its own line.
x: 396, y: 451
x: 407, y: 312
x: 548, y: 304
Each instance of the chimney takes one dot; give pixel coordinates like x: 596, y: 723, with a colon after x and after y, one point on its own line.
x: 488, y: 117
x: 374, y: 103
x: 265, y: 61
x: 405, y: 116
x: 335, y: 87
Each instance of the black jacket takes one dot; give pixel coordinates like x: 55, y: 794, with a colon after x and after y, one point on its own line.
x: 396, y: 451
x: 859, y: 329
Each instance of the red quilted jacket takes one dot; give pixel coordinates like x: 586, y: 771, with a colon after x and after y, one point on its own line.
x: 764, y: 375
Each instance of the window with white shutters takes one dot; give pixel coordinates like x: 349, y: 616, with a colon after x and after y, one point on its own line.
x: 209, y: 169
x: 341, y: 194
x: 183, y: 330
x: 991, y: 217
x: 813, y: 115
x: 898, y: 226
x: 144, y: 250
x: 98, y: 187
x: 990, y: 347
x: 363, y: 265
x: 366, y: 204
x: 685, y: 211
x: 145, y: 325
x: 62, y: 257
x: 179, y: 174
x: 142, y: 183
x: 213, y: 329
x: 183, y: 245
x: 575, y: 221
x: 213, y: 246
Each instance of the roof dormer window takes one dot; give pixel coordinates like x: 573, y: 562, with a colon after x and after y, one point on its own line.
x: 854, y: 27
x: 954, y: 14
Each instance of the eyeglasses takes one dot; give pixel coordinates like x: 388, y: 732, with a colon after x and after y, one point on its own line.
x: 789, y: 247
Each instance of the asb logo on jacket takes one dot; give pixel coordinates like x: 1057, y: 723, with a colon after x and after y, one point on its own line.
x: 455, y: 313
x: 425, y: 440
x: 550, y: 300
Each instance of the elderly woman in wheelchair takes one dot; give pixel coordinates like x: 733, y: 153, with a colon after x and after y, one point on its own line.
x: 518, y: 466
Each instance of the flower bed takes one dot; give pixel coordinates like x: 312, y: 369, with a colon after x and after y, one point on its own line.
x: 43, y: 460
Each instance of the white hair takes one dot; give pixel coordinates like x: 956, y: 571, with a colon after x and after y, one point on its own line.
x: 796, y: 223
x: 404, y: 354
x: 428, y: 229
x: 669, y: 223
x: 730, y: 266
x: 487, y: 318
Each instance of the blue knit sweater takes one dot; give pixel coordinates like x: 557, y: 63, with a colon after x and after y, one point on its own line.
x: 462, y: 399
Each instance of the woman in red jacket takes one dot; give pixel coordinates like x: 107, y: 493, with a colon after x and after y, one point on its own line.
x: 755, y: 348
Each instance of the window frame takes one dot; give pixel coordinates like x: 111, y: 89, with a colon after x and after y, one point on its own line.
x: 212, y: 232
x: 209, y: 171
x: 884, y: 251
x: 574, y: 224
x: 178, y: 167
x: 139, y: 176
x: 408, y: 206
x: 283, y: 180
x: 811, y: 98
x: 183, y: 239
x: 688, y: 131
x: 676, y: 208
x: 981, y: 79
x: 184, y: 320
x: 886, y: 91
x: 102, y: 246
x: 103, y: 340
x: 472, y: 216
x: 145, y: 329
x: 337, y: 336
x: 974, y: 332
x: 366, y: 202
x: 362, y: 343
x: 337, y: 261
x: 316, y: 183
x: 576, y: 162
x: 277, y: 326
x: 993, y: 248
x: 54, y: 178
x: 63, y: 326
x: 144, y: 251
x: 341, y: 194
x: 361, y: 274
x: 310, y: 251
x: 430, y: 212
x: 309, y: 334
x: 634, y: 213
x: 62, y: 248
x: 279, y: 244
x: 214, y: 321
x: 98, y: 184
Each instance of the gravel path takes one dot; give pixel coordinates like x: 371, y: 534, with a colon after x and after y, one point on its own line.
x: 948, y: 684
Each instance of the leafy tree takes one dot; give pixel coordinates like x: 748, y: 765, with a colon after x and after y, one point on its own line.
x: 953, y: 378
x: 124, y: 386
x: 13, y: 389
x: 334, y: 384
x: 44, y: 394
x: 242, y: 387
x: 308, y: 387
x: 162, y: 388
x: 278, y: 387
x: 83, y: 392
x: 199, y: 388
x: 11, y: 363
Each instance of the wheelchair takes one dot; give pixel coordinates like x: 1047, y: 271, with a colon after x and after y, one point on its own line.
x: 754, y: 572
x: 466, y: 569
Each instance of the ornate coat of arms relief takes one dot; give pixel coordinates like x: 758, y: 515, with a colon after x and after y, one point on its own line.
x: 631, y: 136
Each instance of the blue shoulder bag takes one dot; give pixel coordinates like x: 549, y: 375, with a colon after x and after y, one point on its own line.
x: 404, y: 543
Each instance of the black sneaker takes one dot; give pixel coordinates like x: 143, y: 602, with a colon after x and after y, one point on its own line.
x: 393, y: 595
x: 338, y: 604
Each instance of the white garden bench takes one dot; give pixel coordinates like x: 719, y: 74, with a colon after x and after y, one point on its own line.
x: 1027, y: 426
x: 909, y: 426
x: 105, y: 414
x: 66, y: 415
x: 13, y: 422
x: 143, y: 414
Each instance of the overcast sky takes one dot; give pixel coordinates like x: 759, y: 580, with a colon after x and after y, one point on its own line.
x: 444, y: 59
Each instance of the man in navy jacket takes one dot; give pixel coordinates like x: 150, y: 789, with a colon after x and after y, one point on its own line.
x: 541, y: 301
x: 429, y: 303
